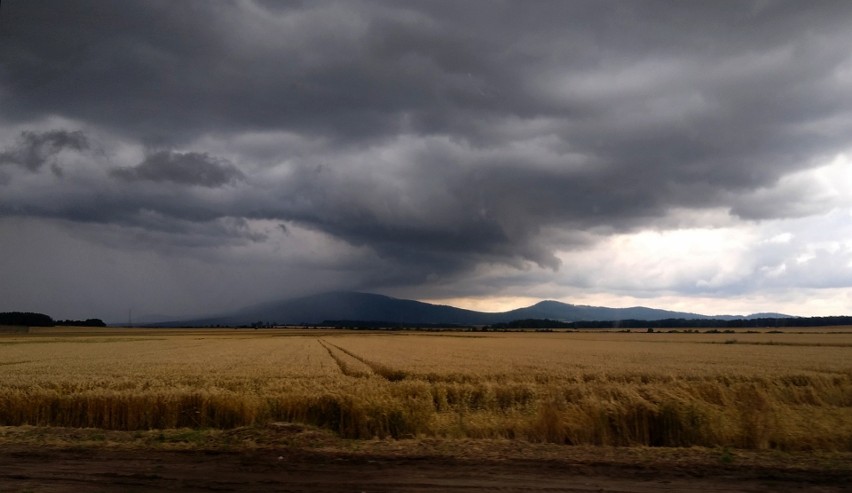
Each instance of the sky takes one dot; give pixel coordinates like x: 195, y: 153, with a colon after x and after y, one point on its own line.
x: 194, y: 157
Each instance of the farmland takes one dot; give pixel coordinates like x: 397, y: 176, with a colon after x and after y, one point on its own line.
x: 788, y: 391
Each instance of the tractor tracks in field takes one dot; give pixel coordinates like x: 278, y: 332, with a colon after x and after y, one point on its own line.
x: 353, y: 365
x: 348, y: 365
x: 8, y: 363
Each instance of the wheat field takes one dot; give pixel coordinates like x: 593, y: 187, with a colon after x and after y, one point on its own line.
x: 787, y: 391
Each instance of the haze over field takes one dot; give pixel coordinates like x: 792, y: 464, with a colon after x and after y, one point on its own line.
x: 188, y: 158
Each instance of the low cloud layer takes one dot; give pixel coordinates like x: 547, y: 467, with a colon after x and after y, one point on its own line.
x: 439, y: 150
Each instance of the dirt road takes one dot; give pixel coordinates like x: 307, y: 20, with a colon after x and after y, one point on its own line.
x: 81, y: 469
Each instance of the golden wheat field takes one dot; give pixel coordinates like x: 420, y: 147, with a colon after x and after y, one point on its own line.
x: 788, y: 391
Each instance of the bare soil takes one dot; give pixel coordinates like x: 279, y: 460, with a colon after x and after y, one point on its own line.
x: 292, y: 458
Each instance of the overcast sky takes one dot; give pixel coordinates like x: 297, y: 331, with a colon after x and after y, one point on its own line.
x: 189, y: 157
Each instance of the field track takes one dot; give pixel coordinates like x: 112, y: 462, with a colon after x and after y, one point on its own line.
x: 269, y: 470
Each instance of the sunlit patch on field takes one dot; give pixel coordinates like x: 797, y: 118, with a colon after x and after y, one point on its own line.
x: 786, y: 391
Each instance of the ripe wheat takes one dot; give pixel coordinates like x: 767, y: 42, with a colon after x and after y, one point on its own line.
x: 785, y: 391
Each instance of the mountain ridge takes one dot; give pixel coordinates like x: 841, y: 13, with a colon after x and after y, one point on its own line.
x: 353, y: 306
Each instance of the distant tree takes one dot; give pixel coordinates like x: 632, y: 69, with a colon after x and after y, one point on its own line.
x: 28, y: 319
x: 89, y: 322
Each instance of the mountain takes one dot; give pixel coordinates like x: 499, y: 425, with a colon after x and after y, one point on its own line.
x: 565, y: 312
x: 361, y: 306
x: 348, y: 306
x: 374, y: 307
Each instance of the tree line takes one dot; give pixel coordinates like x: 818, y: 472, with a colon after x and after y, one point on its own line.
x: 677, y: 323
x: 32, y: 319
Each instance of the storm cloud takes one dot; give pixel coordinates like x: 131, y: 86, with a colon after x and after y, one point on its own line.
x: 190, y: 168
x: 436, y: 149
x: 35, y: 149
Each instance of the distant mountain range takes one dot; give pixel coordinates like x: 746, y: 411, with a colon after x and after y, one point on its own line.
x: 352, y: 306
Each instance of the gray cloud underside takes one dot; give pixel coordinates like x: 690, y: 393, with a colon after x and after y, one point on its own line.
x: 189, y: 168
x: 443, y: 134
x: 33, y: 150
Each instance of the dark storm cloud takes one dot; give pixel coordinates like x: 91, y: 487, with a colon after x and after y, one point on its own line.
x: 445, y: 134
x: 189, y: 168
x: 35, y: 149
